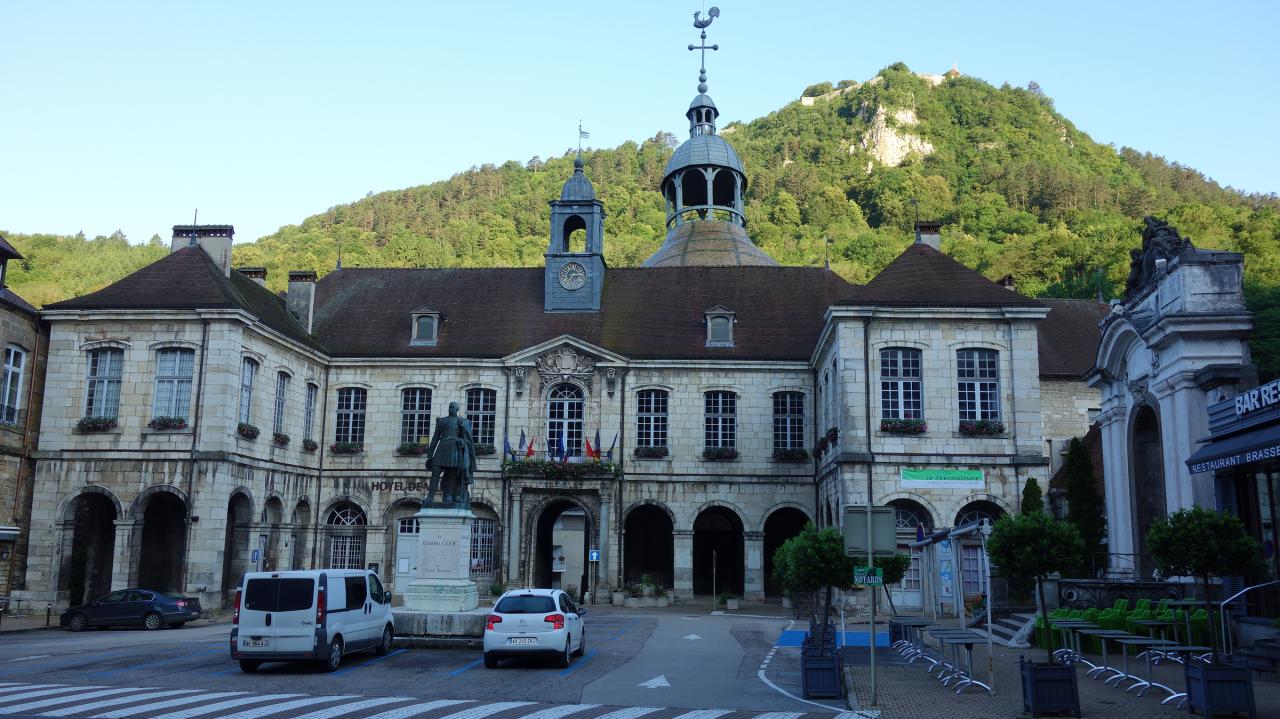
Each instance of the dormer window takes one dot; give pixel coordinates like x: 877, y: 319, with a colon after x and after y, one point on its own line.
x: 720, y: 321
x: 426, y: 326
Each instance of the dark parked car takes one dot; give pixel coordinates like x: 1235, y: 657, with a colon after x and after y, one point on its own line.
x: 133, y: 608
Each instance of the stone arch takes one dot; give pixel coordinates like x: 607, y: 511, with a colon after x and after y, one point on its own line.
x: 764, y: 518
x: 346, y: 524
x: 648, y: 542
x: 66, y: 509
x: 300, y: 517
x: 343, y: 499
x: 88, y: 543
x: 160, y: 538
x: 540, y: 519
x: 931, y: 511
x: 1117, y: 344
x: 649, y: 502
x: 716, y: 503
x: 273, y: 509
x: 139, y: 503
x: 719, y: 543
x: 984, y: 502
x: 781, y: 522
x: 236, y: 540
x: 1146, y: 477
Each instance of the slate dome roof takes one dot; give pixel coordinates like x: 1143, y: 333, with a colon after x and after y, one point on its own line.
x: 701, y: 150
x: 578, y: 187
x: 708, y: 244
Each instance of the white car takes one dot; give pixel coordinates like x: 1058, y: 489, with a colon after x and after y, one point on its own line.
x: 534, y: 622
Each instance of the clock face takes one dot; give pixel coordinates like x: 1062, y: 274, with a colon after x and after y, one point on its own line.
x: 573, y: 276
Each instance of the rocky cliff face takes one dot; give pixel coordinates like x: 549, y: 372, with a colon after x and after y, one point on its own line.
x: 890, y: 145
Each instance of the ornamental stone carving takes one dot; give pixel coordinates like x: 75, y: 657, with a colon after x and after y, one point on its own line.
x: 563, y: 365
x: 1159, y: 242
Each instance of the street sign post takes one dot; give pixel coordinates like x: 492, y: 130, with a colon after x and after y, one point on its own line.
x: 593, y: 555
x: 872, y: 578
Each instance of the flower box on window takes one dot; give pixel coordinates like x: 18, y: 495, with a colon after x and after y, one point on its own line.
x: 794, y: 454
x: 903, y: 426
x: 247, y: 431
x: 821, y: 448
x: 346, y: 448
x: 651, y: 452
x: 832, y: 436
x: 411, y: 449
x: 280, y: 439
x: 163, y: 423
x: 87, y: 425
x: 559, y: 471
x: 310, y: 445
x: 720, y: 454
x: 981, y: 427
x: 485, y: 449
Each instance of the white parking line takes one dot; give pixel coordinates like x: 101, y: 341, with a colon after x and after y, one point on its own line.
x: 560, y: 711
x: 24, y: 687
x: 65, y: 699
x: 286, y: 706
x: 703, y: 714
x: 43, y: 693
x: 779, y: 715
x: 416, y: 709
x: 143, y: 708
x: 629, y: 713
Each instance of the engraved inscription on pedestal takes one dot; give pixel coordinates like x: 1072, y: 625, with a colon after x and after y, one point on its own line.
x: 443, y: 582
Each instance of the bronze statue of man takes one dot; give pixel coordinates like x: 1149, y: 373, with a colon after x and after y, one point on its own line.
x: 451, y: 456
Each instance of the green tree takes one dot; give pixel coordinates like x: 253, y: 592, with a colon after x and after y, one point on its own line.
x: 1032, y: 497
x: 1033, y: 545
x: 1201, y: 543
x: 1085, y: 507
x: 814, y: 561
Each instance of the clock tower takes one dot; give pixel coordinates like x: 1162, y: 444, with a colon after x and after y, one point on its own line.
x: 574, y: 275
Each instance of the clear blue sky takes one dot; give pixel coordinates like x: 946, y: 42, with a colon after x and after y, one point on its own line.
x: 129, y: 115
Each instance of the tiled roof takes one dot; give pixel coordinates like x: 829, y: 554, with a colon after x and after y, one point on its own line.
x: 709, y: 244
x: 1069, y: 337
x: 646, y: 313
x: 924, y: 277
x: 7, y: 251
x: 188, y: 279
x: 12, y: 299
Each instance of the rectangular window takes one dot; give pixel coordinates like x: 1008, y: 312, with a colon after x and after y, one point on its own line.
x: 482, y: 536
x: 721, y: 419
x: 282, y: 395
x: 11, y: 385
x: 651, y: 418
x: 247, y: 372
x: 309, y: 411
x: 901, y: 396
x: 173, y: 383
x: 978, y: 388
x: 482, y: 406
x: 105, y: 369
x: 788, y: 420
x: 351, y: 407
x: 415, y: 415
x: 971, y: 567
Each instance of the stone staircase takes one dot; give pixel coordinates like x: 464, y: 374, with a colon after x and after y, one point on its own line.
x: 1263, y: 656
x: 1006, y: 629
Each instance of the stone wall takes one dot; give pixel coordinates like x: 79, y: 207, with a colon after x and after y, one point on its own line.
x: 22, y: 331
x: 1069, y: 407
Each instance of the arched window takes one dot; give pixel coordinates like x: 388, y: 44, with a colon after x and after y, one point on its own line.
x: 565, y: 420
x: 971, y: 564
x: 651, y: 418
x: 901, y: 396
x: 346, y: 544
x: 346, y: 514
x: 173, y: 383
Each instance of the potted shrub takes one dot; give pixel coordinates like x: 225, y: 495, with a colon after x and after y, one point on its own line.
x: 903, y: 426
x: 720, y: 454
x: 496, y: 589
x: 411, y: 449
x: 981, y: 427
x: 1202, y: 543
x: 814, y: 561
x: 1036, y: 545
x: 660, y: 596
x: 167, y: 423
x: 346, y: 448
x: 635, y: 592
x: 650, y: 452
x: 279, y: 439
x: 793, y: 454
x: 95, y: 424
x: 310, y: 445
x: 246, y: 430
x: 618, y: 597
x: 731, y: 602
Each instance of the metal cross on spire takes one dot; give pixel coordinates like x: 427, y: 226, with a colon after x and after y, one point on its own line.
x: 712, y: 14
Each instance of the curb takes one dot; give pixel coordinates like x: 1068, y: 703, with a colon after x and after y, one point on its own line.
x: 27, y: 630
x: 417, y: 642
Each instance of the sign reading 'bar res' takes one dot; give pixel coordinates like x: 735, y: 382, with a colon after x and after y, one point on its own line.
x: 943, y: 478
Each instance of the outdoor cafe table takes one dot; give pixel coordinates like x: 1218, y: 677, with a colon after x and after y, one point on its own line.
x: 1147, y: 642
x: 913, y: 625
x: 1069, y: 648
x: 1187, y: 604
x: 1190, y: 650
x: 954, y: 638
x: 1103, y: 635
x: 1159, y: 625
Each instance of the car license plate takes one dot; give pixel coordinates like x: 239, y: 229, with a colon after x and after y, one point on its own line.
x: 254, y: 642
x: 522, y: 640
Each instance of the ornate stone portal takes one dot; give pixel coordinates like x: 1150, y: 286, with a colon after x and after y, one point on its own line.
x: 443, y: 582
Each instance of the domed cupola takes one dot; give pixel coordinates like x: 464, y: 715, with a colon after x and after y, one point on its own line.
x: 578, y: 188
x: 703, y: 189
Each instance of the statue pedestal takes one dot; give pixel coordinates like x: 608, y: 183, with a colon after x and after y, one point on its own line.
x: 443, y: 581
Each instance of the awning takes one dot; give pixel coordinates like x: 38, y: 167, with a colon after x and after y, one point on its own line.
x: 1253, y: 446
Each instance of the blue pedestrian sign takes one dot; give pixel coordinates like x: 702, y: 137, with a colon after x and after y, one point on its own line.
x: 254, y: 556
x: 593, y: 555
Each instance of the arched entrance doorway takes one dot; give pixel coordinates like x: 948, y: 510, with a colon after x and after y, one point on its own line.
x: 346, y: 523
x: 87, y: 570
x: 973, y: 567
x: 717, y: 552
x: 783, y: 524
x: 560, y: 544
x: 163, y: 542
x: 910, y: 519
x: 648, y: 546
x: 235, y: 546
x: 1148, y: 482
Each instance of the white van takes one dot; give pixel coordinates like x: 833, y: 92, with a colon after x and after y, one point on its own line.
x: 309, y: 615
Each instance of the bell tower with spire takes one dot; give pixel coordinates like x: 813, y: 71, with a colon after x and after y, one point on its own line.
x: 574, y: 276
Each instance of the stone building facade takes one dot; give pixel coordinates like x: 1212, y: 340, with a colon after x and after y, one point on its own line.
x: 694, y: 412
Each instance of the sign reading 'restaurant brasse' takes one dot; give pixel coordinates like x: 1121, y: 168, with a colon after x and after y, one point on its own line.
x: 942, y: 478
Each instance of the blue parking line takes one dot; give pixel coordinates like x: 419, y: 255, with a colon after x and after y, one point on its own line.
x: 573, y: 667
x: 107, y: 672
x: 372, y: 661
x: 460, y: 670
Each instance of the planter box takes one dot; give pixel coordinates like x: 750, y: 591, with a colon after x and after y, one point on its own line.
x: 731, y: 604
x: 648, y: 601
x: 1219, y: 689
x: 786, y: 603
x: 1049, y: 688
x: 617, y: 599
x: 633, y: 602
x: 660, y: 601
x: 821, y: 675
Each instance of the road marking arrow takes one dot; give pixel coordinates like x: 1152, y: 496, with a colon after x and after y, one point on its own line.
x: 692, y: 636
x: 654, y: 683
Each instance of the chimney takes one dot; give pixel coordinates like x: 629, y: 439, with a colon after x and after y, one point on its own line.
x: 301, y: 297
x: 215, y: 240
x: 1008, y: 283
x: 929, y: 232
x: 257, y: 274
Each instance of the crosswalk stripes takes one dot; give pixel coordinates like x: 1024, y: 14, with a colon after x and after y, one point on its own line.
x: 58, y: 701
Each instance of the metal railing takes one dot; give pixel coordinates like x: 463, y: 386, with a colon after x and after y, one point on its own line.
x: 1227, y: 642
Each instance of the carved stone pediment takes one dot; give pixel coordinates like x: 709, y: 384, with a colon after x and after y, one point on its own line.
x: 565, y: 364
